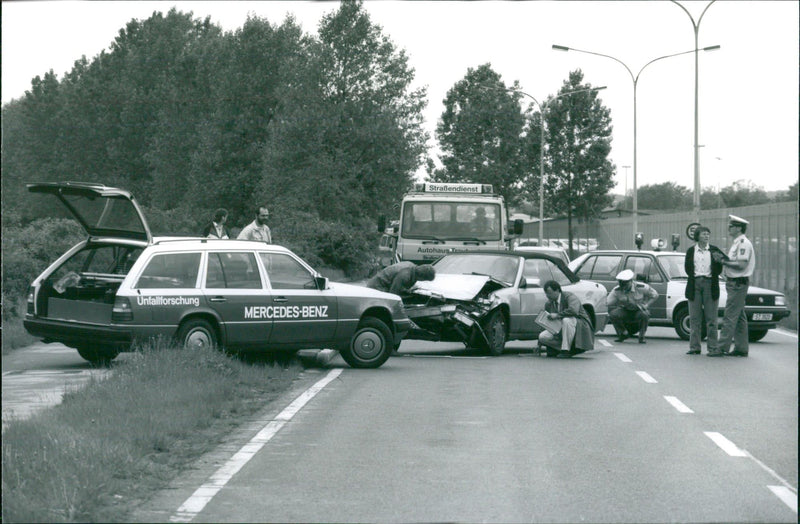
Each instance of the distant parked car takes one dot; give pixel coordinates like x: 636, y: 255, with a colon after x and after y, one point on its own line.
x: 664, y: 271
x: 484, y: 299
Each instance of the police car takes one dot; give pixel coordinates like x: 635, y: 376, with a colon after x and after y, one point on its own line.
x: 664, y: 271
x: 122, y: 285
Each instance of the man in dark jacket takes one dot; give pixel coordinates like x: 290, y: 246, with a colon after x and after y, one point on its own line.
x: 703, y: 265
x: 576, y: 335
x: 398, y: 278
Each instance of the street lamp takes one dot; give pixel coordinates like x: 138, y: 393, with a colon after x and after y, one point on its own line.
x: 635, y: 79
x: 541, y: 107
x: 696, y: 26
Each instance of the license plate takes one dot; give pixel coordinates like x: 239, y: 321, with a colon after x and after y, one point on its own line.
x: 762, y: 316
x: 464, y: 319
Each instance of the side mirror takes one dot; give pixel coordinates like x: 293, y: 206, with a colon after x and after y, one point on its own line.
x: 322, y: 282
x: 532, y: 282
x: 515, y: 228
x: 381, y: 223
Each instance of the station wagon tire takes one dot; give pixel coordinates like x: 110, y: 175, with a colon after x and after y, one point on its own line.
x: 370, y: 346
x: 754, y: 335
x: 99, y: 356
x: 197, y: 334
x: 495, y: 331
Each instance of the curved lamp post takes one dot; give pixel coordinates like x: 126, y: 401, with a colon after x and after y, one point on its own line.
x: 696, y: 26
x: 635, y: 79
x: 541, y: 107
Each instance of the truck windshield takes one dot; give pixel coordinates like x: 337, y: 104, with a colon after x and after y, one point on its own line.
x: 451, y: 220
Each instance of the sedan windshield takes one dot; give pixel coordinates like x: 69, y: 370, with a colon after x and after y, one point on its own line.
x: 500, y: 267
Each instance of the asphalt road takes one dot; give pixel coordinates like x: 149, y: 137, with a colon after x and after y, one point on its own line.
x: 626, y: 433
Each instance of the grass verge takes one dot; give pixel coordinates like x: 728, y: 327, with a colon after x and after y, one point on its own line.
x: 109, y: 445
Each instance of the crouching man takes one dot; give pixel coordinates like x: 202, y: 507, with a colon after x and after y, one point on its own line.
x: 576, y: 328
x: 629, y: 306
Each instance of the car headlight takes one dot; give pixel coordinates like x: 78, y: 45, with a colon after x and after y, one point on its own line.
x: 780, y: 300
x: 449, y: 308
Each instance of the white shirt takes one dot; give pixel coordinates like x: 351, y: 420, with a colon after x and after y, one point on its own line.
x: 254, y: 231
x: 702, y: 261
x: 741, y: 249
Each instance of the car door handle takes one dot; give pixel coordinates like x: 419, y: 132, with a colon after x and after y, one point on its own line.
x: 280, y: 299
x: 217, y: 299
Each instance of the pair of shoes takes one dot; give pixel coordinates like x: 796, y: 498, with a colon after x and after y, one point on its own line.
x: 621, y: 338
x: 693, y: 352
x: 736, y: 354
x: 715, y: 354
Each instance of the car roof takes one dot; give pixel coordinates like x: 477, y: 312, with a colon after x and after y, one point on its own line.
x: 632, y: 252
x: 520, y: 254
x: 194, y: 243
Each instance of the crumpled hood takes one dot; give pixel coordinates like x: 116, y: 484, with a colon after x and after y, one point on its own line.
x: 452, y: 287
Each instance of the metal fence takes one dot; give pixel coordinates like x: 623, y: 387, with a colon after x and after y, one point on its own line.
x: 773, y: 230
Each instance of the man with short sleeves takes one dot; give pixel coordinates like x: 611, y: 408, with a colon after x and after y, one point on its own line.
x: 258, y: 228
x: 738, y: 269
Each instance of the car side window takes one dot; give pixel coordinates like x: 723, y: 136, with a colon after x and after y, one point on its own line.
x: 234, y: 270
x: 643, y: 266
x: 557, y: 274
x: 170, y: 270
x: 287, y: 273
x: 585, y: 271
x: 606, y: 267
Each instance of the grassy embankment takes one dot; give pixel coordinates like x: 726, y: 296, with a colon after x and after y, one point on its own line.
x: 109, y: 445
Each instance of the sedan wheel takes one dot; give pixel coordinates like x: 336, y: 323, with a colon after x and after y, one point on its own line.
x: 495, y: 330
x: 197, y: 334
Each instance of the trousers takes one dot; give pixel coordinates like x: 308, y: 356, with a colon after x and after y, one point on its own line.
x: 703, y: 306
x: 734, y: 323
x: 568, y: 325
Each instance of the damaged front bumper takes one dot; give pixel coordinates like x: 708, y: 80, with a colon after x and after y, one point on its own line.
x: 446, y: 323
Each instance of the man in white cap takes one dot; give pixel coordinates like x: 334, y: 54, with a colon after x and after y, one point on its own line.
x: 738, y: 269
x: 629, y: 306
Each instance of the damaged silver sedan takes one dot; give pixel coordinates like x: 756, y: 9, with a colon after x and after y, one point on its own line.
x: 485, y: 299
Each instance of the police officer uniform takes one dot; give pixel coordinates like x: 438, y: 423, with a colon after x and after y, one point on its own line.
x: 628, y: 306
x: 734, y: 323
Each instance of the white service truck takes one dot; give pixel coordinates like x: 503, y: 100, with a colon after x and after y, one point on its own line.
x: 441, y: 218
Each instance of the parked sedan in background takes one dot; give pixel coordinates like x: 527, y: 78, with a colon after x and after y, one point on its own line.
x: 664, y: 271
x: 487, y: 298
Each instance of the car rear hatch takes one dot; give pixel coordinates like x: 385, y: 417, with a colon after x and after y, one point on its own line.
x: 102, y: 211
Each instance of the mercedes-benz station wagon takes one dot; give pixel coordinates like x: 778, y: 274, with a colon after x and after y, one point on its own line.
x: 122, y: 285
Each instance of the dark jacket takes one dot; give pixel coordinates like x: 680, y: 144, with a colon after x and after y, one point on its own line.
x: 716, y: 269
x: 570, y: 306
x: 211, y: 230
x: 396, y: 278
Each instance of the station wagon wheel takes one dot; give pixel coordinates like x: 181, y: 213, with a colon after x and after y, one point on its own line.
x: 99, y: 356
x: 495, y: 331
x: 197, y: 334
x: 370, y: 346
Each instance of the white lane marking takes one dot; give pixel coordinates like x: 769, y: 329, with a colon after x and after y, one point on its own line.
x: 785, y: 333
x: 606, y: 343
x: 677, y: 404
x: 786, y: 495
x: 622, y: 357
x: 726, y: 445
x: 646, y: 377
x: 771, y: 472
x: 203, y: 495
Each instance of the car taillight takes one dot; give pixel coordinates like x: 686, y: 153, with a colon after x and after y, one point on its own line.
x: 122, y: 310
x: 31, y: 308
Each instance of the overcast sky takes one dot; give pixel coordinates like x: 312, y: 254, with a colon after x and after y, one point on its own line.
x: 748, y: 89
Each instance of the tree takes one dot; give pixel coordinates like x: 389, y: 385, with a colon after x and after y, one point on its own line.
x: 667, y: 196
x: 578, y: 144
x: 480, y: 134
x: 790, y: 195
x: 743, y: 193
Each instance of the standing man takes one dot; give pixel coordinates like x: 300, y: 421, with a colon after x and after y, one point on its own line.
x: 258, y: 228
x: 629, y: 304
x: 739, y: 268
x: 217, y: 228
x: 703, y: 265
x: 398, y: 278
x: 575, y: 323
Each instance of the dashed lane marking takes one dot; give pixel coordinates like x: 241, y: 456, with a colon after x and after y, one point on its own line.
x: 677, y: 404
x: 646, y: 377
x: 726, y: 445
x: 786, y: 495
x: 203, y: 495
x: 622, y: 357
x: 606, y: 343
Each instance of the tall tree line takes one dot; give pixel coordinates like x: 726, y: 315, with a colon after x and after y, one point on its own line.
x: 324, y: 128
